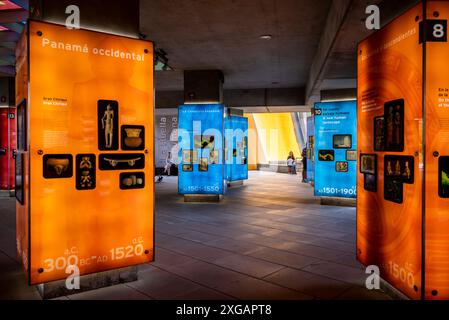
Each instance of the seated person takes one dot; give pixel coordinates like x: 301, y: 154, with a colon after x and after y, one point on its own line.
x: 291, y: 163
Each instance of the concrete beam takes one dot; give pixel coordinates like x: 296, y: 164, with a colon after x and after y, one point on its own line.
x: 335, y: 19
x: 6, y: 52
x: 11, y: 16
x: 7, y: 60
x: 281, y: 97
x: 16, y: 27
x: 9, y: 45
x: 335, y: 64
x: 8, y: 36
x: 339, y: 94
x: 7, y: 71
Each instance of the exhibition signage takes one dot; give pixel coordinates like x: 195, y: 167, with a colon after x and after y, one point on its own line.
x: 310, y: 149
x: 391, y: 159
x: 200, y: 138
x: 335, y: 148
x: 85, y: 152
x: 236, y: 148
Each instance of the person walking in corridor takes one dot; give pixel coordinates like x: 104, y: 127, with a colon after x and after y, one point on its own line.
x: 304, y: 165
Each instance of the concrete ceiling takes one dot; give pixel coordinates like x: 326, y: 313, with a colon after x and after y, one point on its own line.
x: 12, y: 14
x: 313, y: 46
x: 224, y: 34
x: 335, y: 65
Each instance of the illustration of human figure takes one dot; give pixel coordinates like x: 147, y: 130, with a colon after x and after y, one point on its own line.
x: 407, y: 171
x: 389, y: 170
x: 108, y: 125
x: 86, y: 180
x: 397, y: 128
x: 397, y: 169
x: 390, y: 125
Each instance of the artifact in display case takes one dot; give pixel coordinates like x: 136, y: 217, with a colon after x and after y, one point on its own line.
x: 399, y: 168
x: 326, y: 155
x: 187, y: 167
x: 342, y: 141
x: 379, y: 133
x: 311, y: 140
x: 203, y: 164
x: 22, y: 143
x: 85, y: 172
x: 107, y: 125
x: 226, y: 154
x: 124, y: 161
x: 214, y: 157
x: 57, y: 166
x: 133, y: 137
x: 368, y: 163
x: 443, y: 176
x: 244, y: 160
x: 195, y: 158
x: 351, y: 155
x: 204, y: 142
x: 132, y: 180
x: 187, y: 156
x: 370, y: 182
x: 19, y: 175
x: 393, y: 191
x: 234, y: 153
x: 394, y: 125
x: 341, y: 166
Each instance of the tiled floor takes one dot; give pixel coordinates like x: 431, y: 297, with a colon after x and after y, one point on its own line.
x: 269, y: 239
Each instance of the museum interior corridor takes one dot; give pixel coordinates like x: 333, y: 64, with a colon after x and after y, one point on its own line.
x: 268, y: 239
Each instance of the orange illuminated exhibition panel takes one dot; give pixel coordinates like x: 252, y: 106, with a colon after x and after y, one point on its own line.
x: 403, y: 134
x: 85, y: 191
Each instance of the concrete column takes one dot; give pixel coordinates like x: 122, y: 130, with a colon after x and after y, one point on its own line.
x: 203, y: 86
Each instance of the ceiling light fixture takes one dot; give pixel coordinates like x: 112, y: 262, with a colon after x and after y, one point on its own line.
x: 266, y: 37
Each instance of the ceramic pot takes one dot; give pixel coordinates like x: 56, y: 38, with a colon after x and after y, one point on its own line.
x: 133, y: 139
x: 58, y: 165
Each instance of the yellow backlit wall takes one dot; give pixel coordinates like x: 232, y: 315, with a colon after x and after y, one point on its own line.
x: 271, y: 137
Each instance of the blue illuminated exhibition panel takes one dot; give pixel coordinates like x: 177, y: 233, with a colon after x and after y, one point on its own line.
x: 236, y: 148
x: 200, y: 137
x: 335, y: 149
x: 310, y: 149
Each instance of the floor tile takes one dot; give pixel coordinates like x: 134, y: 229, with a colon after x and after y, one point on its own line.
x: 248, y: 265
x: 317, y: 286
x: 117, y: 292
